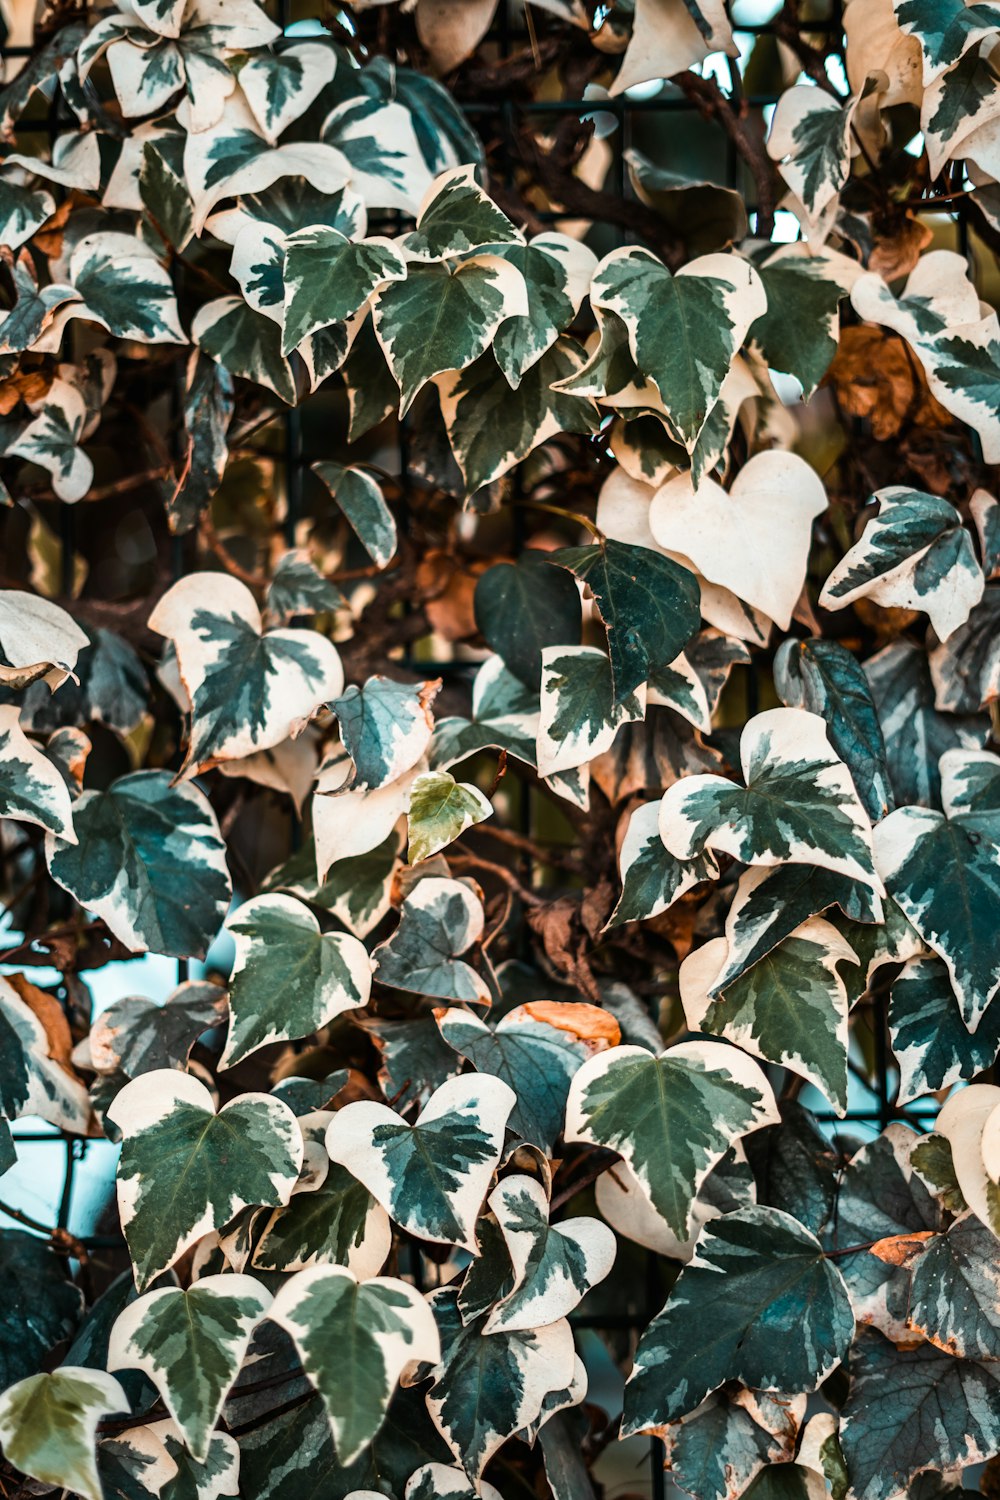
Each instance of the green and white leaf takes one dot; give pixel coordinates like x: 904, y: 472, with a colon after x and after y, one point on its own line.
x: 31, y: 788
x: 671, y: 1117
x: 784, y: 1324
x: 799, y: 807
x: 385, y: 727
x: 915, y: 732
x: 810, y: 139
x: 33, y: 1081
x: 430, y: 1177
x: 554, y: 1265
x: 338, y: 1223
x: 248, y: 1153
x: 652, y: 878
x: 149, y: 860
x: 279, y: 87
x: 48, y: 1426
x: 135, y: 1035
x: 964, y: 1121
x: 289, y: 979
x: 52, y: 440
x: 245, y: 343
x: 955, y: 1291
x: 945, y: 29
x: 38, y: 640
x: 789, y: 1008
x: 382, y: 1325
x: 915, y: 554
x: 580, y: 716
x: 191, y: 1344
x: 685, y: 330
x: 805, y: 286
x: 753, y: 541
x: 359, y: 496
x: 557, y: 271
x: 439, y: 920
x: 456, y: 217
x: 298, y: 587
x: 123, y: 287
x: 724, y: 1443
x: 329, y: 278
x: 929, y: 1038
x: 441, y: 809
x: 248, y: 689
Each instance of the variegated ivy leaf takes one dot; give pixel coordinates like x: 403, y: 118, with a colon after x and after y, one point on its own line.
x: 297, y: 587
x: 356, y: 891
x: 985, y: 511
x: 289, y: 978
x: 337, y: 1223
x: 430, y: 1177
x: 440, y: 1482
x: 929, y: 1038
x: 489, y: 1386
x: 37, y: 640
x: 149, y: 861
x: 622, y: 1201
x: 208, y: 410
x: 328, y: 278
x: 915, y: 554
x: 248, y: 690
x: 683, y: 330
x: 724, y: 1443
x: 246, y: 343
x: 790, y: 1008
x: 385, y: 727
x: 939, y: 316
x: 191, y: 1344
x: 649, y: 605
x: 152, y: 1460
x: 455, y: 217
x: 491, y: 428
x: 580, y: 715
x: 23, y: 210
x: 444, y: 316
x: 359, y: 496
x: 799, y: 806
x: 135, y: 1036
x: 784, y: 1324
x: 810, y: 139
x: 441, y: 809
x: 770, y: 903
x: 280, y: 86
x: 671, y: 1117
x: 384, y: 1323
x: 34, y: 307
x: 52, y: 440
x: 964, y: 1121
x: 753, y: 541
x: 823, y: 677
x: 350, y: 821
x: 536, y: 1048
x: 926, y: 858
x: 504, y: 716
x: 669, y: 36
x: 554, y: 1265
x: 959, y: 110
x: 955, y: 1291
x: 557, y: 270
x: 652, y: 878
x: 48, y: 1426
x: 123, y: 287
x: 945, y: 29
x: 248, y: 1153
x: 31, y: 787
x: 915, y: 1410
x: 965, y: 670
x: 799, y: 332
x: 257, y: 260
x: 35, y: 1043
x: 438, y: 921
x: 916, y: 734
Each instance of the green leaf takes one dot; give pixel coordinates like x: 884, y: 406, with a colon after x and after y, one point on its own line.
x: 442, y: 317
x: 42, y: 1306
x: 911, y: 1410
x: 554, y: 1265
x: 683, y: 330
x: 430, y: 1177
x: 789, y: 1008
x: 329, y: 277
x: 441, y: 809
x: 338, y: 1223
x: 248, y: 1153
x: 248, y: 690
x: 784, y: 1323
x: 523, y: 607
x: 455, y: 217
x: 915, y: 554
x: 929, y: 1038
x: 823, y: 677
x: 439, y: 920
x: 943, y: 870
x: 208, y: 410
x: 580, y: 716
x: 385, y: 727
x: 191, y: 1344
x: 289, y: 978
x: 534, y: 1049
x: 378, y: 1327
x: 799, y: 332
x: 297, y: 587
x: 356, y: 891
x: 671, y: 1117
x: 48, y: 1426
x: 489, y: 1386
x: 150, y: 861
x: 652, y: 879
x: 799, y: 807
x: 360, y: 498
x: 649, y: 605
x: 955, y: 1291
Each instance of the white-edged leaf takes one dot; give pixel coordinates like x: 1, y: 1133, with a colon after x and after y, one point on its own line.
x: 48, y: 1426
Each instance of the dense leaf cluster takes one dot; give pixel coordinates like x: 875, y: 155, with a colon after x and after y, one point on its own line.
x: 551, y: 634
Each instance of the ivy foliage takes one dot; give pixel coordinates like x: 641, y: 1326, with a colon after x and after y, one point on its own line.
x: 534, y: 649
